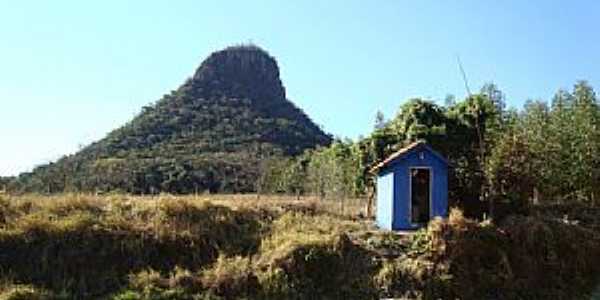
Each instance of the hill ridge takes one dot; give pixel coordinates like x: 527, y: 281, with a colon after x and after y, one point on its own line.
x: 208, y: 134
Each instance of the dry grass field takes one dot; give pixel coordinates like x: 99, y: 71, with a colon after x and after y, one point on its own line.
x: 274, y: 247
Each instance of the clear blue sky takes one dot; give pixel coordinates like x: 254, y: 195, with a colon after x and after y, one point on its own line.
x: 70, y: 71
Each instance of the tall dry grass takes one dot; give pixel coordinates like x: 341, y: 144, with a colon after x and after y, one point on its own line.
x: 231, y: 247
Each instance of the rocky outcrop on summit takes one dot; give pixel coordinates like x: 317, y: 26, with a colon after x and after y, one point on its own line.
x: 240, y: 72
x: 209, y: 134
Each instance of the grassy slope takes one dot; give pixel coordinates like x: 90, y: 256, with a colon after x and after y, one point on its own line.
x: 230, y: 247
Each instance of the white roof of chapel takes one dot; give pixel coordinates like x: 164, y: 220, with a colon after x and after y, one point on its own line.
x: 403, y: 152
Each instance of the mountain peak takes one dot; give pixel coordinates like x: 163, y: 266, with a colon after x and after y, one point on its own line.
x: 247, y: 71
x: 210, y: 134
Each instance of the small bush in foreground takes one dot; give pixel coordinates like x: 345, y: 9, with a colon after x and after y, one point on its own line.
x: 231, y: 278
x: 311, y: 257
x: 523, y: 258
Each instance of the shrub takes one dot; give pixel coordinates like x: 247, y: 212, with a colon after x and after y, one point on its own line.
x: 311, y: 258
x: 149, y: 284
x: 412, y: 278
x: 231, y: 278
x: 550, y: 258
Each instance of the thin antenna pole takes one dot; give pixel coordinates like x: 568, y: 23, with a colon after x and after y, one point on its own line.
x: 464, y: 75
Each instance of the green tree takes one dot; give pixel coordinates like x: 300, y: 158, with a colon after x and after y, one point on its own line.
x: 512, y: 170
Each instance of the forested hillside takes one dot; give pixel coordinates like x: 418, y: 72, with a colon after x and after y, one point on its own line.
x: 208, y: 135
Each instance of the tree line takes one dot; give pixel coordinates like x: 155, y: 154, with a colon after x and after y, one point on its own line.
x: 544, y: 152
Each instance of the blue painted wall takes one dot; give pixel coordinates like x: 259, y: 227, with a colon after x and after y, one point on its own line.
x: 398, y: 207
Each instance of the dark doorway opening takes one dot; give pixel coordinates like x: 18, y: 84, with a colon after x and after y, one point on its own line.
x: 420, y: 194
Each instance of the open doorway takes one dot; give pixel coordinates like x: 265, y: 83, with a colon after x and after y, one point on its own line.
x: 420, y: 195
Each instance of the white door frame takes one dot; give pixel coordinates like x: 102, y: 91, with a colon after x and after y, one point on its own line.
x: 410, y: 192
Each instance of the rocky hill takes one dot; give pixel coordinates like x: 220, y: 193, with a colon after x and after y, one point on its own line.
x: 209, y: 134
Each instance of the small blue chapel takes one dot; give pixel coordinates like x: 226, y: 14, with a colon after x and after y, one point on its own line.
x: 412, y: 187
